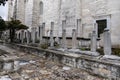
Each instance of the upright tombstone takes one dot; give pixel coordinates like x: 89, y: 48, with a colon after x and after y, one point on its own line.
x: 74, y: 39
x: 22, y: 36
x: 41, y: 34
x: 107, y: 42
x: 93, y: 41
x: 79, y: 29
x: 25, y: 35
x: 37, y: 31
x: 96, y: 28
x: 64, y: 39
x: 33, y: 35
x: 51, y: 35
x: 63, y: 25
x: 28, y: 37
x: 19, y: 35
x: 43, y: 25
x: 36, y: 35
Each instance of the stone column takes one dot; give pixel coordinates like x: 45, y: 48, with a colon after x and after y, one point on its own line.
x: 64, y: 39
x: 74, y: 39
x: 51, y: 35
x: 107, y: 42
x: 93, y: 41
x: 41, y: 34
x: 28, y: 37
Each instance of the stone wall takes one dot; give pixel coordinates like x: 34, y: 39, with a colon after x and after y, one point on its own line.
x: 96, y: 65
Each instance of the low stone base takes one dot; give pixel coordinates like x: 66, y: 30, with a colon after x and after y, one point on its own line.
x: 94, y: 64
x: 8, y: 64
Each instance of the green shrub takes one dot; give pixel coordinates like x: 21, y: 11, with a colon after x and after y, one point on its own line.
x: 44, y: 45
x: 34, y: 45
x: 37, y: 41
x: 25, y: 40
x: 56, y: 44
x: 100, y: 51
x: 116, y: 51
x: 85, y: 49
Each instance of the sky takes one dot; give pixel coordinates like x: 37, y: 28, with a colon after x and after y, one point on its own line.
x: 4, y: 11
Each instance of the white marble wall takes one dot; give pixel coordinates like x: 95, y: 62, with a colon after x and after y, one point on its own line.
x: 102, y: 9
x: 88, y: 11
x: 56, y: 11
x: 10, y: 8
x: 29, y: 13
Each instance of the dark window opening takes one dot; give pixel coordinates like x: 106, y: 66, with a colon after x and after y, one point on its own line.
x: 102, y: 24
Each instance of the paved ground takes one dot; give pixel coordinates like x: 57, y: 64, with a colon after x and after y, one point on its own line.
x: 36, y: 68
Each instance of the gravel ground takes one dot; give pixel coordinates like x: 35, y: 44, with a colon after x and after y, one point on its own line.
x: 37, y: 68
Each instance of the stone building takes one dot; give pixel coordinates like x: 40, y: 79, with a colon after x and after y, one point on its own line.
x: 82, y: 15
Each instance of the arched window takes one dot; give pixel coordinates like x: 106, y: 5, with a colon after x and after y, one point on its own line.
x: 41, y: 8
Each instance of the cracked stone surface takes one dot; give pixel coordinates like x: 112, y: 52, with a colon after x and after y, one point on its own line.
x: 37, y: 68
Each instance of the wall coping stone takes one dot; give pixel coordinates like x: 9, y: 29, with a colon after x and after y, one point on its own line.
x: 74, y: 55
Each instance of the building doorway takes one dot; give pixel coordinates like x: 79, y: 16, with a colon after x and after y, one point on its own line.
x: 102, y: 24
